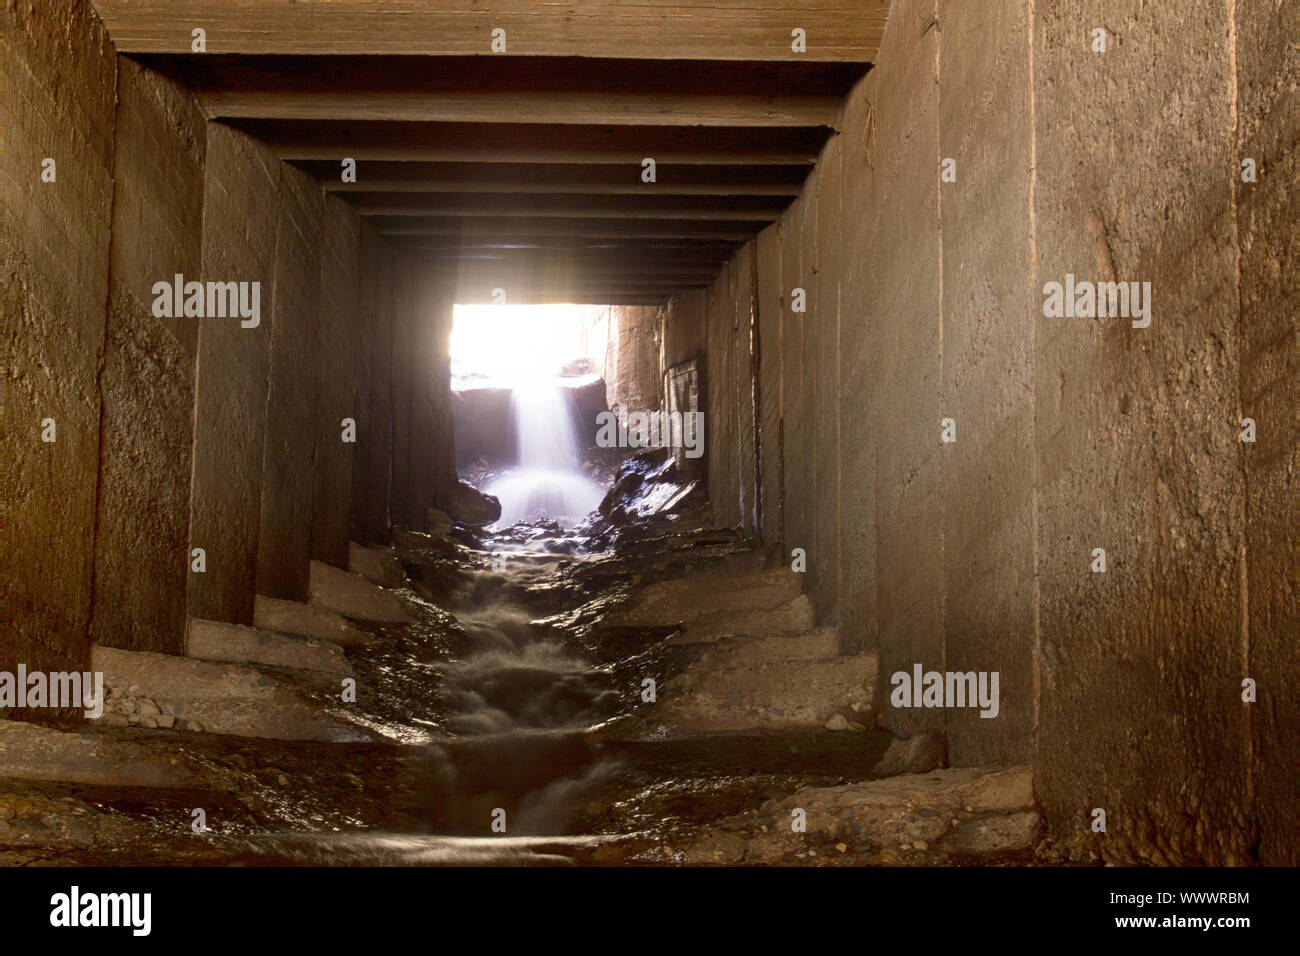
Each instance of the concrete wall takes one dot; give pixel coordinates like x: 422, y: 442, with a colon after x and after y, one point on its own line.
x: 147, y: 382
x: 173, y: 433
x: 925, y: 302
x: 59, y: 89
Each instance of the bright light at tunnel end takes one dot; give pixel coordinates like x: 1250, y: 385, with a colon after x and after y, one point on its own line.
x: 516, y: 345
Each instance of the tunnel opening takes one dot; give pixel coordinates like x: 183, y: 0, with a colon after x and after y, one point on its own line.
x: 528, y: 385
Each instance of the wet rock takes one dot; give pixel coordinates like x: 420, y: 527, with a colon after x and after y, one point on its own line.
x: 235, y: 644
x: 353, y: 596
x: 292, y: 617
x: 919, y: 754
x: 437, y: 522
x: 36, y: 820
x: 376, y: 566
x: 471, y: 506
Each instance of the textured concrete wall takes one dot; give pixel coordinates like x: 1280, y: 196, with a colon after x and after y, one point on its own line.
x: 377, y: 441
x: 988, y: 313
x: 147, y: 382
x: 1138, y: 440
x: 907, y: 407
x: 1266, y: 112
x: 768, y: 302
x: 292, y: 399
x: 59, y: 83
x: 338, y: 332
x: 633, y: 378
x: 858, y: 358
x: 240, y: 213
x: 1123, y: 687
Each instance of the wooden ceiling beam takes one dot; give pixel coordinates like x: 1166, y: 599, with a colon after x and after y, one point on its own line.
x: 506, y: 229
x: 367, y: 141
x: 835, y: 30
x: 585, y: 179
x: 760, y: 209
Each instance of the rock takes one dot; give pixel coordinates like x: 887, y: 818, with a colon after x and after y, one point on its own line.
x: 225, y: 698
x: 993, y: 834
x: 32, y: 752
x: 376, y: 566
x: 235, y: 644
x: 837, y: 722
x: 919, y: 754
x: 914, y: 807
x: 292, y: 617
x: 148, y: 708
x: 148, y: 721
x: 437, y: 522
x: 165, y: 720
x: 470, y: 506
x: 353, y: 596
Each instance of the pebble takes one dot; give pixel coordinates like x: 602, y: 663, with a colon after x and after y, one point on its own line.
x: 842, y: 847
x: 165, y: 720
x: 148, y: 720
x: 837, y: 722
x: 148, y: 707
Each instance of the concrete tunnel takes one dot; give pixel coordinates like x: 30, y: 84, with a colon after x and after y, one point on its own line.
x: 987, y: 309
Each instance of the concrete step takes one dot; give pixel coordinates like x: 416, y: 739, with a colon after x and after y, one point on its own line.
x: 770, y: 694
x: 236, y: 644
x: 820, y: 643
x: 684, y: 600
x: 795, y: 615
x: 219, y: 698
x: 293, y: 617
x: 32, y: 752
x: 353, y: 596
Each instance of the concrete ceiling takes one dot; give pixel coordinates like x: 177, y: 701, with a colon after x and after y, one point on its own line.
x: 523, y: 170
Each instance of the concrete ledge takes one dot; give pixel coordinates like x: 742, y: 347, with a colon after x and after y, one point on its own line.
x: 683, y: 600
x: 32, y: 752
x: 771, y: 695
x: 223, y: 698
x: 353, y: 596
x: 235, y: 644
x: 292, y: 617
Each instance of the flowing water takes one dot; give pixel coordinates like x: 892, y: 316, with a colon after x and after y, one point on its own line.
x: 548, y: 482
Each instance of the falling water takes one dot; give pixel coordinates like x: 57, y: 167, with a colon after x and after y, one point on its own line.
x: 548, y: 482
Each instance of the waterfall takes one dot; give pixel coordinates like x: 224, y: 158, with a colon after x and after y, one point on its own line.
x: 548, y: 482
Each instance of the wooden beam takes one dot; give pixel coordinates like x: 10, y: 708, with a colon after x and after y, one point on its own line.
x: 835, y: 30
x: 759, y: 209
x: 505, y: 229
x: 537, y: 143
x: 585, y: 179
x: 572, y: 91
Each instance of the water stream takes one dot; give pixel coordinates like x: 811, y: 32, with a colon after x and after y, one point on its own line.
x: 548, y: 482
